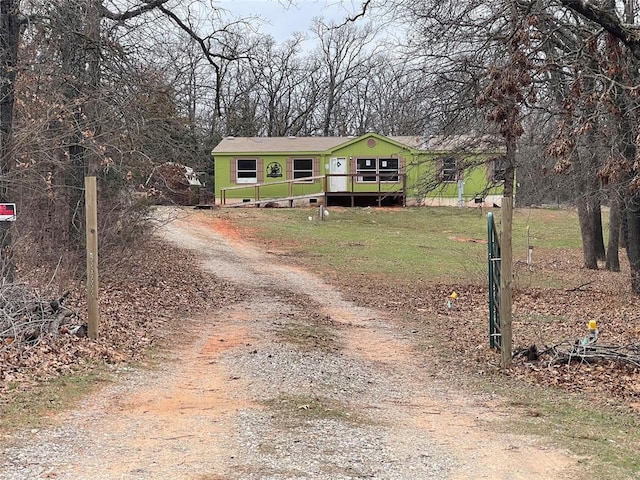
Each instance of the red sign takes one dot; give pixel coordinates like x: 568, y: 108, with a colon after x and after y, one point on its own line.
x: 7, y: 212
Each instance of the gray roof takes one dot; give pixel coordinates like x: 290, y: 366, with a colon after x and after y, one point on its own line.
x: 253, y: 145
x: 298, y: 144
x: 463, y: 142
x: 278, y: 144
x: 414, y: 141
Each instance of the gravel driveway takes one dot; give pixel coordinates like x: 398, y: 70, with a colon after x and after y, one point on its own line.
x: 292, y: 382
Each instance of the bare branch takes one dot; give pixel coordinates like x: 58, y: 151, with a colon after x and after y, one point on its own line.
x: 201, y: 41
x: 358, y: 15
x: 609, y: 20
x: 148, y: 6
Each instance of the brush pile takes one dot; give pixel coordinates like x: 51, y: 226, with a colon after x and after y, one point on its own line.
x: 566, y: 352
x: 25, y: 317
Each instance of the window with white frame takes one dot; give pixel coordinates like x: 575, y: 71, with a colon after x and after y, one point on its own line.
x: 370, y: 169
x: 247, y: 170
x: 303, y: 168
x: 449, y: 169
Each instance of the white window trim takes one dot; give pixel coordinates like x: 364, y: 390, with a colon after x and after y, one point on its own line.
x: 375, y: 171
x: 499, y: 170
x: 247, y: 180
x: 455, y: 170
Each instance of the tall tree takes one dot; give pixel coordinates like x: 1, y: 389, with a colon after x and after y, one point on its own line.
x: 482, y: 52
x: 11, y: 22
x: 621, y: 25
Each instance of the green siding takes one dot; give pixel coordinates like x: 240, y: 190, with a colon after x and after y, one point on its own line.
x: 417, y: 164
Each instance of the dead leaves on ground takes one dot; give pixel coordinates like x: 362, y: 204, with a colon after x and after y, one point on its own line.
x: 542, y: 316
x: 141, y: 305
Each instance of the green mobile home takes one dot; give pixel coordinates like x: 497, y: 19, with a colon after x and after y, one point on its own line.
x: 354, y: 171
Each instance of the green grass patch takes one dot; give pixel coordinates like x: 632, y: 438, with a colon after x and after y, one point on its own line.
x: 371, y: 241
x: 298, y: 409
x: 547, y: 228
x: 441, y: 244
x: 35, y: 408
x: 308, y: 337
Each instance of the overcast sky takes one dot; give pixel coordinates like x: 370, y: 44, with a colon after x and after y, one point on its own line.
x: 282, y: 18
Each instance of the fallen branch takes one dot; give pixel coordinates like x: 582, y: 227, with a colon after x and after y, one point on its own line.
x: 566, y: 352
x: 579, y: 287
x: 25, y: 317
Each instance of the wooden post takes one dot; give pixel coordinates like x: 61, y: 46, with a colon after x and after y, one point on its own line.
x: 91, y: 209
x: 506, y: 275
x: 529, y: 248
x: 404, y: 189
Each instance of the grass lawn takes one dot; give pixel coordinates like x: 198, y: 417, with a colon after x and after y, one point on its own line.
x: 411, y: 244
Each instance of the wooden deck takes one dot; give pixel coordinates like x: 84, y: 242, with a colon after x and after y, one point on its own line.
x: 382, y: 193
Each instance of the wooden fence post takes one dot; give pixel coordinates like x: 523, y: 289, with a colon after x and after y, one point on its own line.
x: 91, y: 209
x: 506, y: 280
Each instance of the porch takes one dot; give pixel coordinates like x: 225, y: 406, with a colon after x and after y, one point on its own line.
x: 333, y: 189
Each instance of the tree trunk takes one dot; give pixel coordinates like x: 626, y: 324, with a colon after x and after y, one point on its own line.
x: 592, y: 184
x: 585, y: 207
x: 632, y: 240
x: 506, y: 252
x: 588, y: 187
x: 331, y: 96
x: 624, y: 228
x: 598, y: 233
x: 615, y: 203
x: 585, y: 217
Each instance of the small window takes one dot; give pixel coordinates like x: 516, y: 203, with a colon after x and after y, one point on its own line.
x: 499, y: 169
x: 449, y: 169
x: 303, y: 168
x: 247, y: 171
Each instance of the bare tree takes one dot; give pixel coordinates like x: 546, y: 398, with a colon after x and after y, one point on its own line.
x: 343, y: 52
x: 620, y: 80
x: 11, y: 25
x: 280, y: 72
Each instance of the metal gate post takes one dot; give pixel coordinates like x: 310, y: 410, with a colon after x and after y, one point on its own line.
x: 493, y: 243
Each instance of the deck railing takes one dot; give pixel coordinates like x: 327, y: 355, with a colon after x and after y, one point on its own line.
x: 257, y: 186
x: 384, y: 183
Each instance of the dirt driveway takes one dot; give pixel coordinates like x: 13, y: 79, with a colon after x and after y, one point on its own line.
x: 292, y: 382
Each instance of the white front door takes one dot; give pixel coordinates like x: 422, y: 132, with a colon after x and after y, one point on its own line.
x: 338, y: 166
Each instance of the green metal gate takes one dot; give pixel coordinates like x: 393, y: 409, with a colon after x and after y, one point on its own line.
x: 494, y: 283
